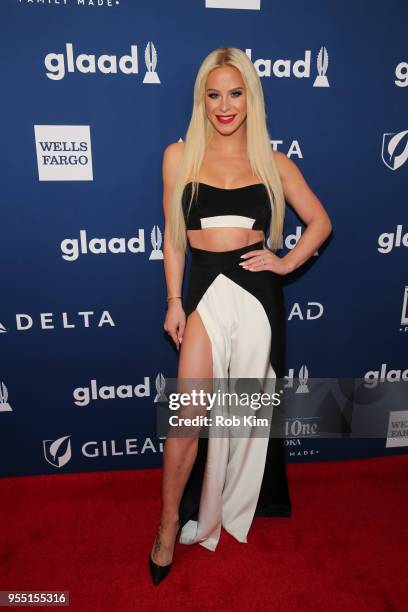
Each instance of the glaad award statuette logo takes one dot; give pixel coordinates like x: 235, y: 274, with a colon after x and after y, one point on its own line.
x: 4, y: 405
x: 303, y: 378
x: 160, y: 383
x: 322, y: 64
x: 156, y: 238
x: 404, y: 313
x: 151, y: 75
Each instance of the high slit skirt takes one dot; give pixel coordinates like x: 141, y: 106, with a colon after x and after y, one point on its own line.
x: 234, y: 479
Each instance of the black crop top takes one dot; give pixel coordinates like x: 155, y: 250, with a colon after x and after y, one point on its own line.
x: 246, y: 206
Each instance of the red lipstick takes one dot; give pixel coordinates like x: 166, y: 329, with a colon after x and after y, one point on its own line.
x: 225, y: 118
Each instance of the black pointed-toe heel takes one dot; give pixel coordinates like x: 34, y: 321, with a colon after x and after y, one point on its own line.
x: 158, y: 572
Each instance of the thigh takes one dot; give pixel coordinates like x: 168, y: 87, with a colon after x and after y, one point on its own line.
x: 195, y: 369
x: 195, y: 360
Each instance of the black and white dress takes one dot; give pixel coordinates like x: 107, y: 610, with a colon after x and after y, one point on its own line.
x: 234, y: 479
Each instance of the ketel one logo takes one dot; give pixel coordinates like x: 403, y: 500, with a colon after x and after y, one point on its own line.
x: 394, y: 150
x: 58, y: 452
x: 4, y: 405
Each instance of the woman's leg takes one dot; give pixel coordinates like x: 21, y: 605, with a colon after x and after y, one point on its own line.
x: 195, y: 362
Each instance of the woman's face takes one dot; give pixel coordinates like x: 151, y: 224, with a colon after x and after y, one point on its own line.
x: 225, y: 99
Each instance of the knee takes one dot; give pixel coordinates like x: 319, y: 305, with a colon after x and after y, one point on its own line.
x: 183, y: 438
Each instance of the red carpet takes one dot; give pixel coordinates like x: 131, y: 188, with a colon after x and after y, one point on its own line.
x: 345, y: 547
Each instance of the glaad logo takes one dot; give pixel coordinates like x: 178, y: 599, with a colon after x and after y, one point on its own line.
x: 57, y: 452
x: 254, y: 5
x: 83, y: 395
x: 4, y: 405
x: 63, y: 152
x: 374, y: 377
x: 401, y: 72
x: 397, y: 434
x: 388, y: 240
x: 394, y: 150
x: 3, y: 330
x: 71, y: 248
x: 291, y: 240
x: 309, y: 315
x: 58, y: 65
x: 25, y: 321
x: 404, y: 313
x: 300, y: 68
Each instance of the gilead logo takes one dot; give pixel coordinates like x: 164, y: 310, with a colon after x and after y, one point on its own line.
x: 394, y: 150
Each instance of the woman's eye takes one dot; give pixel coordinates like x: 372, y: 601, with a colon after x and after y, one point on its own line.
x: 212, y: 95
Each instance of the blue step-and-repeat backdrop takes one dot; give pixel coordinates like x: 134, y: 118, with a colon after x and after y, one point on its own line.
x: 92, y: 93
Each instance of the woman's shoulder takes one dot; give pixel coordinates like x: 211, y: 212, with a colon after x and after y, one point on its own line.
x: 286, y: 167
x: 171, y: 159
x: 174, y: 150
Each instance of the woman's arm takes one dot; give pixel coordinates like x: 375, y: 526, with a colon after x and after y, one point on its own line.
x: 174, y: 261
x: 308, y: 207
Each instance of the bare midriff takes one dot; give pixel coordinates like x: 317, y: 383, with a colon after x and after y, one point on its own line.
x: 223, y: 238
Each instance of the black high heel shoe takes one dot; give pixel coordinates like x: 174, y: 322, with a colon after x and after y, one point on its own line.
x: 159, y: 572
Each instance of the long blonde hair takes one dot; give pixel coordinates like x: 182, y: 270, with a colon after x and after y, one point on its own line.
x: 199, y: 133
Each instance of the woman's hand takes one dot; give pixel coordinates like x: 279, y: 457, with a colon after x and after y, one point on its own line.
x: 175, y: 321
x: 263, y: 259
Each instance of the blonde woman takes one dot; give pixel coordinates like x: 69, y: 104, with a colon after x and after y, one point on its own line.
x: 224, y: 187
